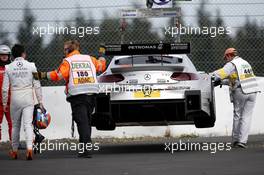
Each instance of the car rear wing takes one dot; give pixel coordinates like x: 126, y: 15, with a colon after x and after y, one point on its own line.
x: 147, y: 49
x: 118, y: 69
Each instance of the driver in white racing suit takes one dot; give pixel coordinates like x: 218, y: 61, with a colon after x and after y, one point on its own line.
x: 18, y: 77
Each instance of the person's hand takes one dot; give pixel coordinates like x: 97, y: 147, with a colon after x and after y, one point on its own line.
x: 42, y: 107
x: 218, y: 82
x: 35, y: 75
x: 40, y: 75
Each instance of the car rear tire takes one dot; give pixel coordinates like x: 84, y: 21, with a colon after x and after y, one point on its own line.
x: 103, y: 122
x: 202, y: 119
x: 204, y: 122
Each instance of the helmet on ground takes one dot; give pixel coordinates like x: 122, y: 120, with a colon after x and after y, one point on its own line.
x: 41, y: 118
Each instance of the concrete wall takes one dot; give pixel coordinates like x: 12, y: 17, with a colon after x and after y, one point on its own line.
x: 60, y: 127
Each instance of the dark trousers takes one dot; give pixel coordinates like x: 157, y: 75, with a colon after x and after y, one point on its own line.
x: 82, y: 107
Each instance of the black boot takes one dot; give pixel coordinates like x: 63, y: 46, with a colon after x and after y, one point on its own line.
x: 85, y: 154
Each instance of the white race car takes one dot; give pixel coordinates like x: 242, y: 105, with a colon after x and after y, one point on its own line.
x: 153, y: 90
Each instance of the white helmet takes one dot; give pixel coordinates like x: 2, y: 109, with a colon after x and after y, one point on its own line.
x: 5, y: 50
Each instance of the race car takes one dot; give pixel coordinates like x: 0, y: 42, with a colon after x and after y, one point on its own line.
x: 153, y: 85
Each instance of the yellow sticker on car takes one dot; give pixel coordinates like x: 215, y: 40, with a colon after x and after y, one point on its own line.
x: 147, y: 94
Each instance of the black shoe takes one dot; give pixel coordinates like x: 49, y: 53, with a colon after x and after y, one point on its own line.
x: 86, y: 154
x: 242, y: 145
x: 234, y: 145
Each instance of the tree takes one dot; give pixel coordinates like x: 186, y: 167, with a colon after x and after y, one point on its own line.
x: 4, y: 36
x: 207, y: 47
x: 221, y: 41
x: 139, y: 31
x: 32, y: 42
x: 249, y: 43
x: 53, y: 57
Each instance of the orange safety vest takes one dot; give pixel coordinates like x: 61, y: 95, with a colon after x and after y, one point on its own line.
x: 82, y: 78
x: 64, y: 70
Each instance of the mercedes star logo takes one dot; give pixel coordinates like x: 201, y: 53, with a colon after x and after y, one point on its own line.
x: 147, y: 76
x: 19, y: 64
x: 147, y: 91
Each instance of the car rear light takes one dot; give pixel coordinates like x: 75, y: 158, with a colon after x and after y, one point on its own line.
x: 183, y: 76
x: 111, y: 78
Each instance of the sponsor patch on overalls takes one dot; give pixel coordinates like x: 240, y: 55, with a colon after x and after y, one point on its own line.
x: 246, y: 72
x: 82, y: 72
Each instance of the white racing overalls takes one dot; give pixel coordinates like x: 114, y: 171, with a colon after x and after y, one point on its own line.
x: 243, y: 89
x: 18, y: 76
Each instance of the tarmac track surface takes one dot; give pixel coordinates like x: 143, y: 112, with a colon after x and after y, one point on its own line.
x: 143, y: 158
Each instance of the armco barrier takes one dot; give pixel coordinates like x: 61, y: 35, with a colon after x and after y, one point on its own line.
x: 60, y: 127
